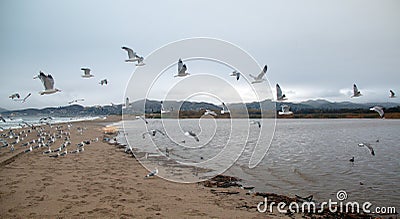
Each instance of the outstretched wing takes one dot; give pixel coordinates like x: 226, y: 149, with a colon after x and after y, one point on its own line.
x: 278, y: 91
x: 180, y: 65
x: 49, y: 82
x: 86, y: 71
x: 392, y: 94
x: 131, y: 53
x: 27, y: 96
x: 355, y: 89
x: 157, y: 130
x: 262, y: 73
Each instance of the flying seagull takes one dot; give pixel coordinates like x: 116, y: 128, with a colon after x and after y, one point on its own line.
x: 379, y: 110
x: 256, y: 122
x: 152, y: 173
x: 103, y: 82
x: 224, y: 109
x: 181, y: 69
x: 285, y: 110
x: 75, y: 101
x: 392, y: 94
x: 2, y: 119
x: 356, y: 92
x: 370, y: 148
x: 162, y: 108
x: 152, y: 132
x: 192, y: 134
x: 210, y: 112
x: 279, y: 95
x: 26, y: 97
x: 133, y: 57
x: 235, y: 74
x: 48, y: 83
x: 86, y: 73
x: 260, y: 76
x: 15, y: 95
x: 142, y: 118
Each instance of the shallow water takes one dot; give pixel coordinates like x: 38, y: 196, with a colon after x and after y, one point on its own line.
x: 306, y: 156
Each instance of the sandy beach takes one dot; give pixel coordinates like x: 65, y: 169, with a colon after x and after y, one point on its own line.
x: 104, y: 182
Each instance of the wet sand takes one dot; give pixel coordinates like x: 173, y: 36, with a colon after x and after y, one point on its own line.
x: 104, y: 182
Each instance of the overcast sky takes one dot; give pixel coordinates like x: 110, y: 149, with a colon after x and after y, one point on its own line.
x: 314, y: 49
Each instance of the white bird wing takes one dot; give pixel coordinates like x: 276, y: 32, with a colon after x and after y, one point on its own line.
x: 262, y: 73
x: 86, y: 71
x: 27, y: 96
x: 379, y: 110
x: 48, y: 81
x: 183, y: 70
x: 131, y: 53
x: 285, y: 108
x: 278, y: 91
x: 355, y: 89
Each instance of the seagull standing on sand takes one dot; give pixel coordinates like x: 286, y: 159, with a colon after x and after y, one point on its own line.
x: 356, y: 92
x: 152, y: 173
x: 235, y: 74
x: 86, y: 73
x: 279, y: 95
x: 192, y: 134
x: 152, y: 132
x: 379, y: 110
x: 103, y: 82
x: 48, y: 83
x: 370, y: 148
x: 260, y: 76
x: 181, y: 69
x: 133, y: 57
x: 392, y: 94
x: 13, y: 96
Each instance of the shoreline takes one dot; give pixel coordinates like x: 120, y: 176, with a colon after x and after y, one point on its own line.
x: 103, y: 181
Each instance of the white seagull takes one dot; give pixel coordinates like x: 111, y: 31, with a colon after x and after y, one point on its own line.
x: 260, y: 76
x: 162, y: 108
x: 152, y: 132
x: 279, y: 95
x: 224, y: 109
x: 285, y: 110
x: 75, y: 101
x: 235, y: 74
x: 133, y: 57
x: 379, y: 110
x: 356, y: 92
x: 181, y: 69
x: 2, y: 119
x: 142, y: 118
x: 192, y: 134
x: 210, y: 112
x: 152, y: 173
x: 86, y: 73
x: 15, y: 95
x: 48, y: 83
x: 370, y: 148
x: 103, y: 82
x: 392, y: 94
x: 256, y: 122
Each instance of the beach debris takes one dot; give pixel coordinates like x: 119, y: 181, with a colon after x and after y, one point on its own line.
x: 260, y: 77
x: 235, y: 74
x: 222, y: 181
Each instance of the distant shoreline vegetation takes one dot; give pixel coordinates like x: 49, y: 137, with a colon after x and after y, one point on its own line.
x: 307, y: 109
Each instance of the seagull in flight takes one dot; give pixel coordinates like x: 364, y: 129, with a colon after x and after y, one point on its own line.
x: 279, y: 95
x: 356, y: 92
x: 256, y: 122
x: 152, y: 132
x: 192, y: 134
x: 48, y: 83
x: 15, y: 95
x: 210, y: 112
x: 260, y: 76
x: 370, y: 148
x: 26, y: 97
x: 152, y: 173
x: 103, y: 82
x: 75, y: 101
x: 86, y: 73
x: 235, y: 74
x: 142, y: 118
x: 162, y: 108
x: 224, y: 109
x: 379, y: 110
x: 181, y: 69
x: 133, y: 56
x: 285, y: 110
x: 392, y: 94
x: 2, y: 118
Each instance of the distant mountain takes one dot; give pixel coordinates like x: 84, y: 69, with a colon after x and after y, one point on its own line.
x: 2, y: 110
